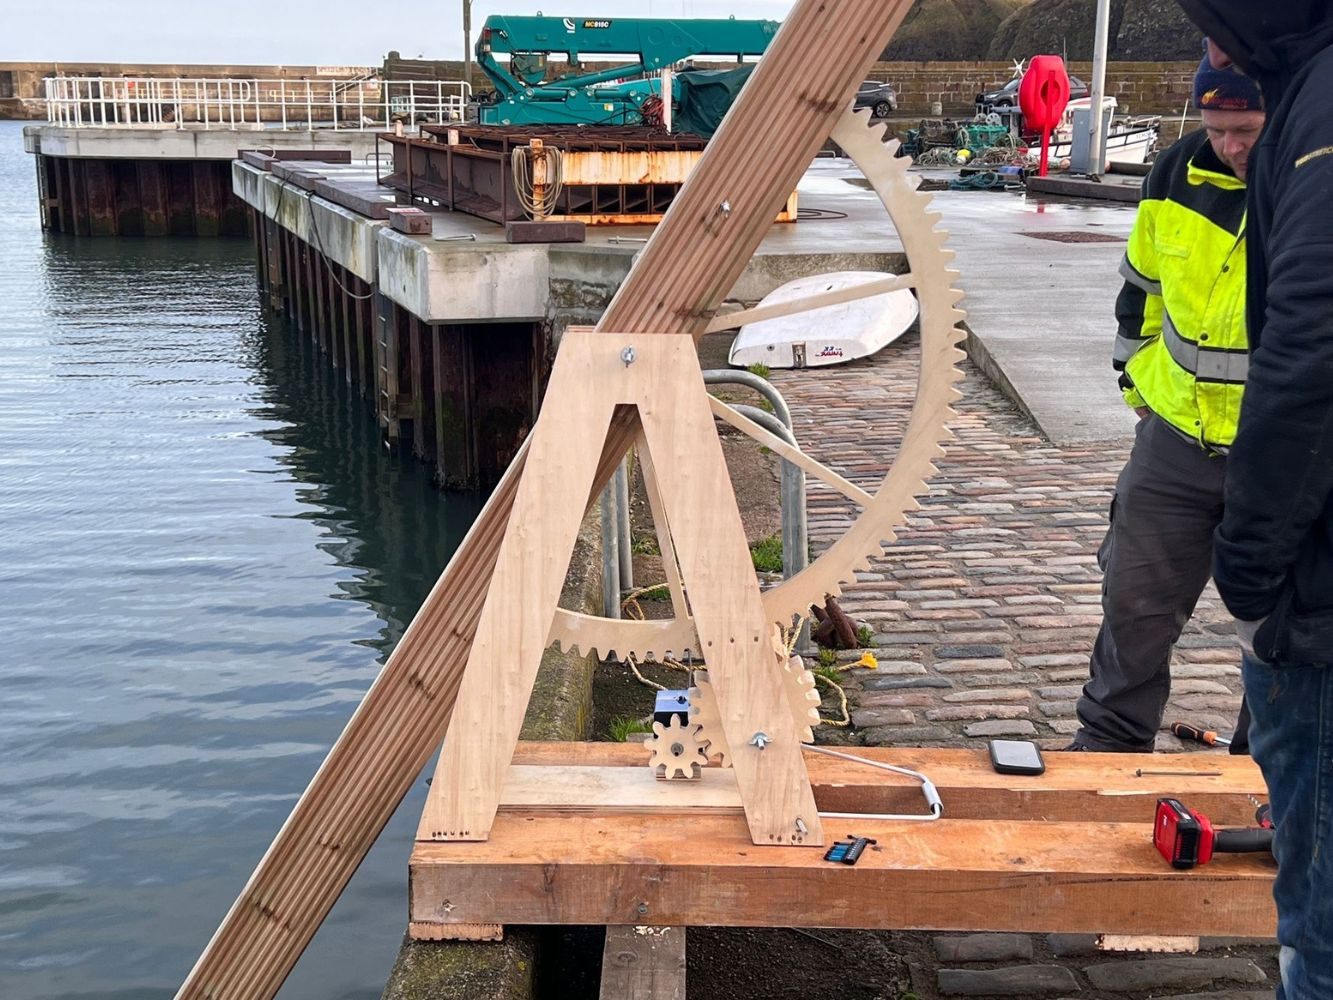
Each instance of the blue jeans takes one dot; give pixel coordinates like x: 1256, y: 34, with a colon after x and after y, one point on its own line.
x: 1291, y: 738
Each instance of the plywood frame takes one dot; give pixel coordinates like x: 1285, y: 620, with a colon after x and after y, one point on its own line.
x: 596, y: 373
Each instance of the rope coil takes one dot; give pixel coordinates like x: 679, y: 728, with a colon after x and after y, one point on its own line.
x: 520, y: 163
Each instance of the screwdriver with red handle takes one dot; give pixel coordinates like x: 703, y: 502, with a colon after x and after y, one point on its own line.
x: 1205, y: 736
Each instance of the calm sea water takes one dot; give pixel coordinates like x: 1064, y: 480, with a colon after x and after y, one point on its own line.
x: 205, y: 555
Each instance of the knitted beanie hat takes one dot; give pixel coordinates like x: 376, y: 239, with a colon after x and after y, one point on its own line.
x: 1225, y: 90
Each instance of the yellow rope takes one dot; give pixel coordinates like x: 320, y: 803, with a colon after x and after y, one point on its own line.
x: 846, y: 719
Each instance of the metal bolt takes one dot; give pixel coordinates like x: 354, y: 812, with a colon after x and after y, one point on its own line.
x: 643, y: 908
x: 725, y: 208
x: 627, y: 356
x: 759, y: 740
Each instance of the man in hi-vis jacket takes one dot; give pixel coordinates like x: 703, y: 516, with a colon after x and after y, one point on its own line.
x: 1182, y: 352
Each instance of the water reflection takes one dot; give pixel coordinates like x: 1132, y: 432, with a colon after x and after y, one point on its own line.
x: 204, y: 555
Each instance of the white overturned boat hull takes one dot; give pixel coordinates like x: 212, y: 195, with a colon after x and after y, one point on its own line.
x: 830, y: 335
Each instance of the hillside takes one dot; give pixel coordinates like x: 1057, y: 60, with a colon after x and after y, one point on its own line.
x: 950, y: 29
x: 1141, y: 31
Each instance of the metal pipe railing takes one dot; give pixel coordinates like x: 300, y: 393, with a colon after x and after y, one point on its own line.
x: 366, y: 104
x: 616, y: 555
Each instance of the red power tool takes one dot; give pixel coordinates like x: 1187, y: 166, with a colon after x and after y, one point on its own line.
x: 1187, y: 838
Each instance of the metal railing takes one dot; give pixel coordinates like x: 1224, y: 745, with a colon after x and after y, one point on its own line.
x: 222, y: 103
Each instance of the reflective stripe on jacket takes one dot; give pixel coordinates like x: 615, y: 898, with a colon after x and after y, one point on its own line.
x: 1182, y: 339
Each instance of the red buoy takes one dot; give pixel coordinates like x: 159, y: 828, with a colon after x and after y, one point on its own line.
x: 1043, y: 96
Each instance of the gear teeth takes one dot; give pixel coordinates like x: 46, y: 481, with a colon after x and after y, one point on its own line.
x: 677, y: 751
x: 800, y: 685
x: 704, y: 713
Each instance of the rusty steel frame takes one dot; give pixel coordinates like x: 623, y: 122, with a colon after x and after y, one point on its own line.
x: 613, y: 175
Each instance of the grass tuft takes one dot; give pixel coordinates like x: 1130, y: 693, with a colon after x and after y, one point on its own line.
x: 767, y: 554
x: 622, y: 726
x: 828, y: 672
x: 645, y: 546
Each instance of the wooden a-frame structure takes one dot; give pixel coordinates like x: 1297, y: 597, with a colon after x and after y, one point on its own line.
x: 691, y: 262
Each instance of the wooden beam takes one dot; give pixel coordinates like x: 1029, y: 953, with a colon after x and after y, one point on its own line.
x: 1096, y: 787
x: 965, y: 875
x: 643, y: 963
x: 793, y: 455
x: 424, y: 931
x: 693, y: 260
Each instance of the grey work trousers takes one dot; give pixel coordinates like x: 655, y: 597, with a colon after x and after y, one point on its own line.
x: 1156, y: 560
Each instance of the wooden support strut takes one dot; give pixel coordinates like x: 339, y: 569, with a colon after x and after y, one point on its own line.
x: 687, y: 267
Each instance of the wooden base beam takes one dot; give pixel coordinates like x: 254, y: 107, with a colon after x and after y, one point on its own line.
x: 961, y: 875
x: 585, y: 835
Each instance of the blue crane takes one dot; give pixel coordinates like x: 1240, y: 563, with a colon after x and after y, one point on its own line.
x: 622, y: 94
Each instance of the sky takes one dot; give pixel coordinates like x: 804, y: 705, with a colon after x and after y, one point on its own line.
x: 293, y: 32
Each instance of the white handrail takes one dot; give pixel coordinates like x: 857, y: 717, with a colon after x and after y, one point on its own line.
x: 362, y: 104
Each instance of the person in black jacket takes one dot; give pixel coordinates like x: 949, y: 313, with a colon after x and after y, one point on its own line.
x: 1273, y: 555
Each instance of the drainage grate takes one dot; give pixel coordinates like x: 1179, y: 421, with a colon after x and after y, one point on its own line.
x: 1074, y: 236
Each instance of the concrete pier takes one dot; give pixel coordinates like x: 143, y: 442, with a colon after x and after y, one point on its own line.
x: 163, y: 181
x: 450, y: 334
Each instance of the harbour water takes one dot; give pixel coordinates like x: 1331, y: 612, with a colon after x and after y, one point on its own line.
x: 205, y: 555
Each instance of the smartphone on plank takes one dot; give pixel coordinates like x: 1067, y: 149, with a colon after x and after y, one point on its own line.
x: 1016, y: 757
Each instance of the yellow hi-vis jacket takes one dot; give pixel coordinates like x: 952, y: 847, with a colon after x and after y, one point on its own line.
x: 1181, y: 345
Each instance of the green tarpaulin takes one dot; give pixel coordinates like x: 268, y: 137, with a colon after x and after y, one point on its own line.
x: 705, y: 95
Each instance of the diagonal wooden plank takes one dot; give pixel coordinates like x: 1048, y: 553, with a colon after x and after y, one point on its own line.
x: 734, y: 634
x: 811, y: 70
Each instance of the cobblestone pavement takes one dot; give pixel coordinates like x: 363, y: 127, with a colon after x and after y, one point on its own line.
x: 983, y: 614
x: 985, y: 608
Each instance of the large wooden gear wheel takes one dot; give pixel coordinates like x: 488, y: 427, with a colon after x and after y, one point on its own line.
x: 883, y: 511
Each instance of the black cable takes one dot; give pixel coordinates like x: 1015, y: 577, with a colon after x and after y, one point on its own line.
x: 819, y: 215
